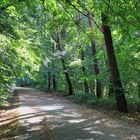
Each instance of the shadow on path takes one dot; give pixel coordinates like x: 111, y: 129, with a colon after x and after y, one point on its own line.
x: 44, y: 117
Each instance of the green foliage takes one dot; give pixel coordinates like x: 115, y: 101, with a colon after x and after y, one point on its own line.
x: 91, y: 100
x: 28, y: 45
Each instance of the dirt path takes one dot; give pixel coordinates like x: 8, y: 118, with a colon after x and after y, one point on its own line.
x: 46, y: 117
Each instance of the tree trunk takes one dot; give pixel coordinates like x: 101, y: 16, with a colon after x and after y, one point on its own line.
x: 86, y: 87
x: 49, y: 81
x: 118, y: 89
x: 111, y: 90
x: 69, y: 83
x: 54, y: 82
x: 96, y: 65
x: 53, y: 75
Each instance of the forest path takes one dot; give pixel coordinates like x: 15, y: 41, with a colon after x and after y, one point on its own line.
x: 46, y: 117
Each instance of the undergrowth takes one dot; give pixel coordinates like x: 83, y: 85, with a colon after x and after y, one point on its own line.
x: 91, y: 100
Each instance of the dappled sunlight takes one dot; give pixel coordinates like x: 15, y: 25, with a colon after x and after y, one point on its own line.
x: 35, y: 128
x: 50, y: 118
x: 132, y: 137
x: 113, y: 135
x: 31, y: 120
x: 100, y: 121
x: 59, y: 117
x: 76, y: 120
x: 96, y: 132
x: 44, y: 116
x: 57, y: 126
x: 72, y: 114
x: 47, y: 108
x: 62, y: 116
x: 89, y: 128
x: 22, y: 137
x: 26, y: 109
x: 97, y: 122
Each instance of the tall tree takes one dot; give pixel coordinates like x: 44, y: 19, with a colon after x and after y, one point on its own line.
x: 53, y: 66
x: 118, y: 89
x: 69, y: 83
x: 95, y: 61
x: 49, y: 80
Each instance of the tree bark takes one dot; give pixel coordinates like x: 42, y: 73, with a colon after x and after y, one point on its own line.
x: 69, y: 83
x: 118, y: 89
x: 111, y: 90
x: 54, y: 82
x: 53, y: 75
x: 86, y: 87
x: 49, y: 81
x: 96, y: 65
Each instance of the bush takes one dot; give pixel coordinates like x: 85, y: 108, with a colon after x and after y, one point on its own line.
x: 91, y: 100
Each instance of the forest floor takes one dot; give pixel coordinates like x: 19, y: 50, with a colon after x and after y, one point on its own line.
x: 42, y: 116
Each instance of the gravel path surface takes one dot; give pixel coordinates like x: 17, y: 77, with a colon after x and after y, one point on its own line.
x: 46, y: 117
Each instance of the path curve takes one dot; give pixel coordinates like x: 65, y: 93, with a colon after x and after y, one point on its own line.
x: 46, y: 117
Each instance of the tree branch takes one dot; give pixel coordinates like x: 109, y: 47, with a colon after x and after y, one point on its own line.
x: 71, y: 17
x: 86, y: 15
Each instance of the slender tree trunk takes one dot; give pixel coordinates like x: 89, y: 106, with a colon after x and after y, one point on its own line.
x: 49, y: 80
x: 111, y: 90
x: 53, y: 75
x: 54, y: 81
x: 96, y: 65
x: 118, y: 89
x: 86, y: 87
x: 69, y: 83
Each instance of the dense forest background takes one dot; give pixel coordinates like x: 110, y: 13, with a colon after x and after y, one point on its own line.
x: 88, y: 49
